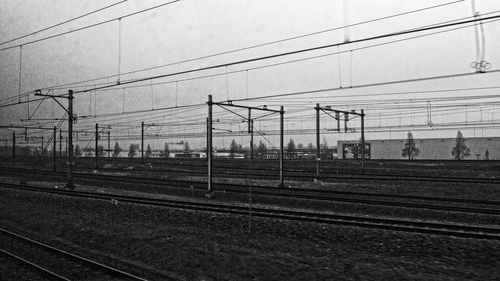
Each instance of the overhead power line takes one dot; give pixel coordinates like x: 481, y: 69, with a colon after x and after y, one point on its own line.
x: 261, y: 44
x: 266, y: 65
x: 62, y: 23
x: 290, y: 53
x: 65, y: 86
x: 90, y: 26
x: 421, y: 79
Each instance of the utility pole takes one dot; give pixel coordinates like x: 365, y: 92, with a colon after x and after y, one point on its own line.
x: 250, y: 122
x: 250, y: 131
x: 109, y: 148
x: 209, y: 146
x: 69, y: 183
x: 318, y: 149
x: 362, y: 139
x: 60, y: 143
x: 142, y: 142
x: 337, y: 116
x: 13, y: 148
x: 54, y: 148
x: 251, y: 140
x: 346, y: 118
x: 96, y: 143
x: 282, y: 113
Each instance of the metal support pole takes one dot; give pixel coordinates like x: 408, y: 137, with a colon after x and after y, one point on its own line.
x: 362, y: 139
x: 209, y: 145
x: 346, y: 118
x: 250, y: 131
x: 96, y: 144
x: 282, y: 113
x: 54, y: 149
x: 251, y: 140
x: 337, y: 116
x: 69, y: 183
x: 13, y: 148
x: 142, y: 142
x: 318, y: 149
x: 60, y: 143
x: 109, y: 147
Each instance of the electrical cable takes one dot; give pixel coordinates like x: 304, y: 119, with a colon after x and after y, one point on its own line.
x: 61, y: 23
x: 264, y: 44
x: 281, y: 63
x: 289, y: 53
x: 90, y: 26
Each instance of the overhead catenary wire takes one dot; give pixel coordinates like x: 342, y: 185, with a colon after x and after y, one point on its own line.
x: 176, y: 82
x: 290, y: 53
x: 267, y: 43
x: 90, y: 26
x: 290, y: 61
x: 63, y: 22
x: 280, y: 63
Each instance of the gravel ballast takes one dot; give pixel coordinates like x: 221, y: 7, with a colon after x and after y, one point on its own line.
x: 187, y: 245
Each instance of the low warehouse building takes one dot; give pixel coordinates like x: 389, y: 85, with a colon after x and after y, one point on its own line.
x: 482, y: 148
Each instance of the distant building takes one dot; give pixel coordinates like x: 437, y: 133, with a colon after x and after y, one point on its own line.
x: 429, y: 149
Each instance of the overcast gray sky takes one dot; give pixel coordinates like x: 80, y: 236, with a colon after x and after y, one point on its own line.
x: 194, y: 28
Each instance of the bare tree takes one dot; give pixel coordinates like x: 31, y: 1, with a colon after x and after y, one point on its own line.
x: 410, y: 150
x: 460, y: 151
x: 166, y: 151
x: 261, y: 149
x: 291, y: 148
x: 117, y: 150
x: 131, y: 151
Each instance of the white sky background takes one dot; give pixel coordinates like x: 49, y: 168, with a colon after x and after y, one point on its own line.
x: 195, y: 28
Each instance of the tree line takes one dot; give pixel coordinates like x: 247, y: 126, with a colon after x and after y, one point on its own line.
x: 409, y: 151
x: 459, y: 151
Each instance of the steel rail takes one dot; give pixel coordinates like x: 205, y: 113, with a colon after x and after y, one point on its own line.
x: 43, y: 270
x: 329, y: 173
x: 101, y: 266
x: 422, y: 227
x: 309, y: 194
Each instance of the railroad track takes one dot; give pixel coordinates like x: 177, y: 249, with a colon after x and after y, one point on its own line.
x: 414, y: 226
x: 329, y: 172
x: 487, y: 207
x: 55, y: 263
x: 301, y: 175
x: 326, y: 174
